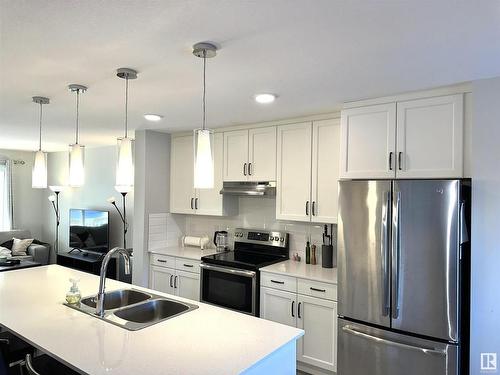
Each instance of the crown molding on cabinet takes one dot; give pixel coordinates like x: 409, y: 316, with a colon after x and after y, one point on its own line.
x: 460, y: 88
x: 293, y: 120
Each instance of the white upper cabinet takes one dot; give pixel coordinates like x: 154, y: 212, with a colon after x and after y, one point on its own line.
x: 250, y: 155
x: 262, y: 154
x: 325, y: 170
x: 184, y: 198
x: 308, y: 171
x: 235, y: 155
x: 430, y: 137
x: 418, y: 138
x: 367, y: 147
x: 293, y: 193
x: 210, y: 201
x: 182, y: 192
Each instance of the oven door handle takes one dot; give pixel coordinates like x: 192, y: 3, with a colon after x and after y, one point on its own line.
x: 233, y: 271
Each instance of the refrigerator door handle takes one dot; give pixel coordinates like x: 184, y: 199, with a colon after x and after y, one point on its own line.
x: 397, y: 258
x: 352, y: 331
x: 384, y: 249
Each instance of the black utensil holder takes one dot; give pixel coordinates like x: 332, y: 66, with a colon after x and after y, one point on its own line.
x: 327, y: 256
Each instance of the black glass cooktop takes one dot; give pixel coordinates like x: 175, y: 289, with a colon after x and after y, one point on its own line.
x: 242, y: 259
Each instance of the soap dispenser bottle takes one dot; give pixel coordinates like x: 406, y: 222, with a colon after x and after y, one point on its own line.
x: 74, y: 296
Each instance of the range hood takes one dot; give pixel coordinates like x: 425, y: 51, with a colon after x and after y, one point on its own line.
x: 249, y: 189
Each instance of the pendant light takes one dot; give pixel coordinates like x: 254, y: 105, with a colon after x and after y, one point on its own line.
x: 39, y: 173
x: 76, y: 150
x: 125, y: 157
x: 204, y: 138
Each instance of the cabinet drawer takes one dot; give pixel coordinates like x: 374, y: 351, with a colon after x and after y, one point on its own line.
x: 279, y: 282
x: 188, y: 265
x: 162, y: 260
x: 317, y: 289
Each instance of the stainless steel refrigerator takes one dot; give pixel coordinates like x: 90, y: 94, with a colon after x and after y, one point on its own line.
x: 403, y: 279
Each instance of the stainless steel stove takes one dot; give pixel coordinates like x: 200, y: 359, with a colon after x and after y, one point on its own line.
x: 232, y: 279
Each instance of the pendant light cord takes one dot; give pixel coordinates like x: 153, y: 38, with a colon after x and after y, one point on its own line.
x: 77, y: 115
x: 40, y: 135
x: 204, y: 86
x: 126, y: 106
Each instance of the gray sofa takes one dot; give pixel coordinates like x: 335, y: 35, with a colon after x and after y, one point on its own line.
x: 37, y: 253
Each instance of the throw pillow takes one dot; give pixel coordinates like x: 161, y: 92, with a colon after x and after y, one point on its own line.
x: 4, y: 252
x: 19, y: 247
x: 7, y: 244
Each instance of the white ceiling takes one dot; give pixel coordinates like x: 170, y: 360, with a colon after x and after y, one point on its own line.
x: 314, y: 54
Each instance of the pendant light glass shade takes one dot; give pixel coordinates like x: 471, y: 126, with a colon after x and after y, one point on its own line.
x: 203, y: 159
x: 39, y: 173
x: 125, y: 163
x: 76, y: 165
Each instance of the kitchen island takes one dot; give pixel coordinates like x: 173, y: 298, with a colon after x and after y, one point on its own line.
x: 207, y: 340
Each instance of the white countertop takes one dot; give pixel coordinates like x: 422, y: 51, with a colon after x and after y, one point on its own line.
x: 187, y: 252
x: 208, y: 340
x: 304, y: 271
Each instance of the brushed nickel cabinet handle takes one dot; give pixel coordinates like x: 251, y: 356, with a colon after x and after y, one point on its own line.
x: 249, y: 169
x: 245, y: 169
x: 399, y: 161
x: 192, y: 206
x: 313, y: 208
x: 307, y: 208
x: 196, y: 204
x: 390, y: 160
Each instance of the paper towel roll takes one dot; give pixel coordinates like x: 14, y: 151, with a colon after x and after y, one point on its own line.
x: 192, y: 241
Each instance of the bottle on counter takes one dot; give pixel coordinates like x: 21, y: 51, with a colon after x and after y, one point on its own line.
x: 74, y: 296
x: 308, y: 253
x: 313, y: 254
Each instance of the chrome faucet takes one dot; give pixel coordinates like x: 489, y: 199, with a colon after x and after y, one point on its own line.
x: 102, y: 281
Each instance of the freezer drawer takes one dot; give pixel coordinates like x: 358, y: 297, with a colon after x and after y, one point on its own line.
x: 366, y: 350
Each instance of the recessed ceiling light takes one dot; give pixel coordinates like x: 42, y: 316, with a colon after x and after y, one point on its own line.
x: 265, y: 98
x: 152, y: 117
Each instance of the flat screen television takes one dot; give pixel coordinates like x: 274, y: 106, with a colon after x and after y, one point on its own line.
x: 89, y: 230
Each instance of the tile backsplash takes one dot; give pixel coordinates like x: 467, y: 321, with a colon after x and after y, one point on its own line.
x: 256, y: 213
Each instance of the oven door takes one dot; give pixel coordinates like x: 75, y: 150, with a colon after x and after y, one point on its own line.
x: 232, y: 288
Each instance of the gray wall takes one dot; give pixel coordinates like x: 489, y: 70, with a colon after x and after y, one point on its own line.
x: 485, y: 319
x: 152, y: 193
x: 100, y: 166
x: 28, y: 202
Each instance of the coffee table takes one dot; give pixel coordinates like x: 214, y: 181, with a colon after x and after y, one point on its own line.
x: 23, y: 264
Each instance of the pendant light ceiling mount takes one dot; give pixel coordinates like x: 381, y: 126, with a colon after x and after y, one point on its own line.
x: 205, y: 50
x: 41, y: 100
x: 126, y: 73
x: 77, y: 88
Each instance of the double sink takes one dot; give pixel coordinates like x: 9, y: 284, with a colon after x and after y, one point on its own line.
x: 133, y: 309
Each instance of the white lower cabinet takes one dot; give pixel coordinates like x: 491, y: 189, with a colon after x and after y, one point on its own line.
x: 316, y: 316
x: 176, y: 280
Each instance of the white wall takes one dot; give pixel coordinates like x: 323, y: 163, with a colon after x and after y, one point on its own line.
x: 28, y: 202
x: 485, y: 239
x: 100, y: 166
x: 152, y: 192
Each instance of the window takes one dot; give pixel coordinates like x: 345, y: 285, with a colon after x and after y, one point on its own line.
x: 5, y: 195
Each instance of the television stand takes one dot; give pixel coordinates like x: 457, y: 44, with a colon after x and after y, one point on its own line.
x: 86, y: 262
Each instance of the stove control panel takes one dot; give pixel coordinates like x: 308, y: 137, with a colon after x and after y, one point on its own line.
x: 268, y: 238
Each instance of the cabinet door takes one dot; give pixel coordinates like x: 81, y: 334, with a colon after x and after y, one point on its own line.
x: 325, y: 170
x: 262, y: 154
x: 318, y: 318
x: 210, y: 201
x: 278, y: 306
x: 187, y: 285
x: 236, y: 155
x: 293, y: 190
x: 182, y: 192
x: 368, y: 140
x: 430, y: 138
x: 161, y: 279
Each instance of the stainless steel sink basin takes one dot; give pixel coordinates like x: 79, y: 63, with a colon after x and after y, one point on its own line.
x: 118, y: 298
x: 152, y: 311
x: 132, y: 309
